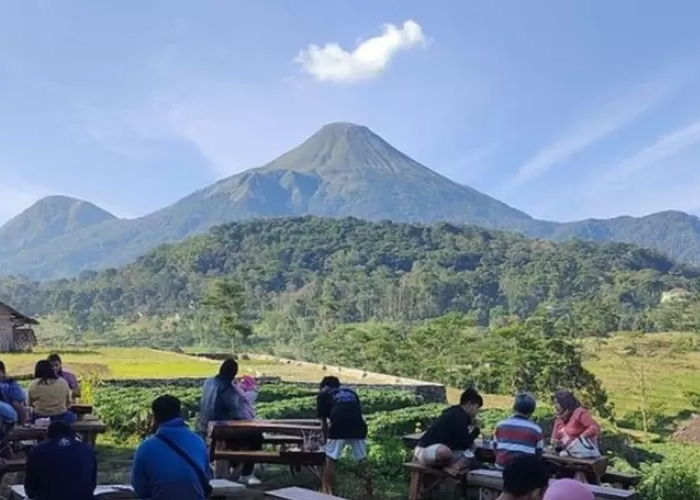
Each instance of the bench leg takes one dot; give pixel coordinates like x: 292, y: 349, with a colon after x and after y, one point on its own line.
x: 414, y: 486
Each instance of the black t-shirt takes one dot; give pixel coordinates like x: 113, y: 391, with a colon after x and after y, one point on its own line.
x: 342, y: 407
x: 451, y: 429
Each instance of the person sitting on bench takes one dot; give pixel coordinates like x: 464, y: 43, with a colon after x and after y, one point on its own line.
x: 518, y: 435
x: 524, y: 478
x: 449, y: 441
x: 342, y: 408
x: 61, y: 467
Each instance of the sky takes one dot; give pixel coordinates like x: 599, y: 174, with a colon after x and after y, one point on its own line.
x: 563, y: 109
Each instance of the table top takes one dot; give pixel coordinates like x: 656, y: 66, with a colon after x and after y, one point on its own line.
x: 22, y: 433
x: 277, y: 426
x: 219, y: 487
x: 485, y: 450
x: 298, y: 494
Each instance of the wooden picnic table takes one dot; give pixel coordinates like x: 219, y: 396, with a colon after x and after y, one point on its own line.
x: 592, y: 468
x: 276, y: 432
x: 81, y: 410
x: 87, y: 431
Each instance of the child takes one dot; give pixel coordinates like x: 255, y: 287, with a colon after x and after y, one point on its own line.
x: 343, y: 425
x: 247, y: 387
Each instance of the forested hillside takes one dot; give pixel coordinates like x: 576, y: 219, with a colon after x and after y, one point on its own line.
x: 310, y: 274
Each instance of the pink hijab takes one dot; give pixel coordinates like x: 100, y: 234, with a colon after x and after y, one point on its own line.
x: 568, y: 489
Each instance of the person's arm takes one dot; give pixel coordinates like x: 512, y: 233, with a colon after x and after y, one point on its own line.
x: 75, y: 386
x: 464, y: 436
x: 18, y: 400
x: 556, y: 431
x: 539, y: 447
x: 139, y: 477
x: 32, y: 474
x: 591, y: 427
x: 322, y: 413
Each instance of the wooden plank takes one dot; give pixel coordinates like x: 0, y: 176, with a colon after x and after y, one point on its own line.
x: 33, y: 432
x: 273, y: 457
x: 221, y: 488
x: 229, y: 429
x: 296, y: 493
x: 278, y: 439
x: 492, y: 479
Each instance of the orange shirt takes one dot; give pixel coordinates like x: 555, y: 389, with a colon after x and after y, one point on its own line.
x: 580, y: 424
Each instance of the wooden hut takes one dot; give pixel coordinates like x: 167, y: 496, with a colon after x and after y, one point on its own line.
x: 16, y: 333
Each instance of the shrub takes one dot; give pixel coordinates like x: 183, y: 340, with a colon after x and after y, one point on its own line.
x: 670, y: 481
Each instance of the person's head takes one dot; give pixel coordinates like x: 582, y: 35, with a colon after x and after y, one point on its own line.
x: 568, y: 489
x: 59, y: 429
x: 565, y: 402
x: 525, y: 477
x: 471, y: 401
x: 228, y: 369
x: 43, y: 371
x: 166, y: 408
x: 3, y: 370
x: 524, y: 404
x: 329, y: 383
x: 56, y: 362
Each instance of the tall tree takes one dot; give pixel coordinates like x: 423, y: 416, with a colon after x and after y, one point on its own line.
x: 226, y: 300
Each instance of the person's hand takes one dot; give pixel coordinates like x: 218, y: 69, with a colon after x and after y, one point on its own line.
x: 453, y: 470
x: 478, y: 423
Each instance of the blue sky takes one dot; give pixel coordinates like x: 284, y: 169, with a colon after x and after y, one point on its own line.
x: 564, y: 109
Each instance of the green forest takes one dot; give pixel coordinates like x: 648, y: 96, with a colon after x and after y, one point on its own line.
x: 300, y: 277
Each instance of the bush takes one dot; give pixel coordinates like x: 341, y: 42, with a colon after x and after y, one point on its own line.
x: 373, y: 401
x: 670, y: 481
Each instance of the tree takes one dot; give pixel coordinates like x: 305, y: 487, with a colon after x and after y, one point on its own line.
x: 225, y: 299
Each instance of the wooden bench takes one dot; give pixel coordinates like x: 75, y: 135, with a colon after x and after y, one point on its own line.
x: 303, y: 458
x: 296, y: 493
x: 424, y: 480
x: 493, y: 480
x: 12, y: 466
x: 621, y: 480
x: 282, y: 439
x: 221, y: 489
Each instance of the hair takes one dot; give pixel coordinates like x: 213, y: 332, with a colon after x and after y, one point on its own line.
x: 524, y: 404
x: 166, y: 408
x: 228, y: 369
x: 566, y: 400
x: 2, y: 367
x: 332, y: 382
x: 471, y: 395
x: 54, y: 358
x: 43, y: 371
x: 568, y: 489
x: 525, y: 474
x: 58, y: 429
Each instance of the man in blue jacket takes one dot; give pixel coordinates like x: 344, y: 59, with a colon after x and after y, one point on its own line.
x: 61, y: 467
x: 173, y: 464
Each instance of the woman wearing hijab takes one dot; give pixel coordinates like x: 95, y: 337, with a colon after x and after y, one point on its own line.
x: 568, y: 489
x: 573, y: 422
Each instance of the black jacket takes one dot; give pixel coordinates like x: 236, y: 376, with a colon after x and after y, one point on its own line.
x: 452, y: 430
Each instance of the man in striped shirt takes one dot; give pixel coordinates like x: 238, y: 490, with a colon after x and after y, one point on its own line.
x: 518, y: 435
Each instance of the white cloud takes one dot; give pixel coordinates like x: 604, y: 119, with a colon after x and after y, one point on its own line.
x: 612, y: 117
x: 370, y: 58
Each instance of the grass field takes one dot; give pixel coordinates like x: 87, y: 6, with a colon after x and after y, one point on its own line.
x: 147, y: 363
x: 668, y: 362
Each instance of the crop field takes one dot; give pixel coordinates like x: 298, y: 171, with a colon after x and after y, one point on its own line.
x: 135, y: 363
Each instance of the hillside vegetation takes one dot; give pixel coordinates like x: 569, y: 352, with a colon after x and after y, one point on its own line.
x: 342, y: 170
x: 305, y: 275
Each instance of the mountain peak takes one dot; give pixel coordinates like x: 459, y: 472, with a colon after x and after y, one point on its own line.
x: 49, y: 217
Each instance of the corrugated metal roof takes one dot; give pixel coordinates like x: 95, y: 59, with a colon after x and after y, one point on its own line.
x: 15, y: 314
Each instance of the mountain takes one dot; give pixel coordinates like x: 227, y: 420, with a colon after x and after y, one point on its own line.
x: 342, y: 170
x: 309, y: 273
x: 48, y: 218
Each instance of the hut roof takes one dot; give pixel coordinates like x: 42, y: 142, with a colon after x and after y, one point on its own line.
x: 15, y: 315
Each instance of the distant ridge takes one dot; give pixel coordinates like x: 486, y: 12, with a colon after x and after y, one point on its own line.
x: 342, y: 170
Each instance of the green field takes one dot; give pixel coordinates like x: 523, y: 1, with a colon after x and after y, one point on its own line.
x: 668, y: 362
x: 136, y: 363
